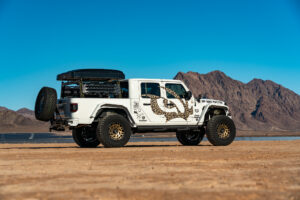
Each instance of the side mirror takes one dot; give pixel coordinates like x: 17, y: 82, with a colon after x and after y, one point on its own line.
x: 199, y: 97
x: 188, y: 95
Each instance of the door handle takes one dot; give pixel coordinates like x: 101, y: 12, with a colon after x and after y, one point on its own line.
x: 147, y: 104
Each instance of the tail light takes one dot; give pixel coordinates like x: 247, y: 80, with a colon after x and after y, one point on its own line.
x: 73, y: 107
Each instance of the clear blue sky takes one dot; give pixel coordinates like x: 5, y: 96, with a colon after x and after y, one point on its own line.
x: 152, y: 39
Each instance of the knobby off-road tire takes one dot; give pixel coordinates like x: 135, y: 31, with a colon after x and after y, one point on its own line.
x: 190, y: 138
x: 85, y: 137
x: 113, y: 130
x: 220, y: 130
x: 45, y: 104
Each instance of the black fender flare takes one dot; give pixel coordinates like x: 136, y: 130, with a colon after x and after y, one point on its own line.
x: 111, y: 107
x: 208, y: 108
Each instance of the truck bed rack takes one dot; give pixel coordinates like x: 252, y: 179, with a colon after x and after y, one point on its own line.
x: 91, y: 75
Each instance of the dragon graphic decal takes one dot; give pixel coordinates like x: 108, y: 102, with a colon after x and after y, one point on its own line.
x: 170, y: 104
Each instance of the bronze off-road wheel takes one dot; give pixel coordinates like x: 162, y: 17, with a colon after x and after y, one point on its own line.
x: 220, y: 130
x: 113, y: 130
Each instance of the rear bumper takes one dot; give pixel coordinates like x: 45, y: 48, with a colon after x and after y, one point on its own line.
x: 58, y: 125
x: 63, y: 124
x: 60, y: 121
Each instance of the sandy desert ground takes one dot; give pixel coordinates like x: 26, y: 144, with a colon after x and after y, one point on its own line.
x: 151, y: 170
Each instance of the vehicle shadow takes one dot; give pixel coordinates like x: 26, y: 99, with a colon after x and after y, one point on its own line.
x: 160, y: 145
x: 73, y: 147
x: 102, y: 147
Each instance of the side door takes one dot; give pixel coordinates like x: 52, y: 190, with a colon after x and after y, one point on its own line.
x: 179, y: 108
x: 150, y: 102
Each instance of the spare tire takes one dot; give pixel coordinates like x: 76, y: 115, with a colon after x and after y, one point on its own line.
x: 45, y: 104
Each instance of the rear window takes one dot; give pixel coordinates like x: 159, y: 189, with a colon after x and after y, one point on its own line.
x: 150, y: 88
x: 124, y: 89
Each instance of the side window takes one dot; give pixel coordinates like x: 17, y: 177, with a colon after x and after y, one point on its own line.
x: 150, y: 88
x: 177, y: 88
x: 124, y: 89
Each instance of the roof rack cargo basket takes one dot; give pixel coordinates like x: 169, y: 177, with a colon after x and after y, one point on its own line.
x: 91, y: 75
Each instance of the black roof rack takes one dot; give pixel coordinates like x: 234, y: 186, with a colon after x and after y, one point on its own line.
x: 91, y: 75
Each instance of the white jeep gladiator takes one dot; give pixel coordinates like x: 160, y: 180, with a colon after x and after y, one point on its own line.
x: 100, y: 106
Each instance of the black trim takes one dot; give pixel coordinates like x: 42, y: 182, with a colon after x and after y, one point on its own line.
x: 112, y: 106
x: 165, y: 128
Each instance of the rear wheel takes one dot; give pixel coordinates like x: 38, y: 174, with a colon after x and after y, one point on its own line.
x: 85, y: 137
x: 113, y: 130
x: 220, y: 130
x: 190, y: 138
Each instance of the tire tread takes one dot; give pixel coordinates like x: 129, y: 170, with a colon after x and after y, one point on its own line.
x: 76, y: 133
x: 211, y: 130
x: 50, y: 105
x: 103, y: 134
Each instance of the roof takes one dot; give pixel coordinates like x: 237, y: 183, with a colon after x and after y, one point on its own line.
x: 148, y: 79
x: 91, y: 74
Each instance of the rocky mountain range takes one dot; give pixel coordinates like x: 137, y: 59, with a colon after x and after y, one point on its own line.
x: 22, y: 120
x: 257, y: 105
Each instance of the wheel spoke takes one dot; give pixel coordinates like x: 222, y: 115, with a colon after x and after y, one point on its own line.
x: 223, y: 131
x: 116, y: 131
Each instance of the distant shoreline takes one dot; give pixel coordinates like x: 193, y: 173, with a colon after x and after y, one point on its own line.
x: 19, y: 138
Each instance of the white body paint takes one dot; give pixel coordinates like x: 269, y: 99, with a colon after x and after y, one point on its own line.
x: 138, y: 107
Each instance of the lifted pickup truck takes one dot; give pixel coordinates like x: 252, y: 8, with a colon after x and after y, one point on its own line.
x: 101, y: 106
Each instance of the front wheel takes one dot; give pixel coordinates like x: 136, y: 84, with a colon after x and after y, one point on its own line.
x: 190, y: 138
x: 85, y: 137
x: 220, y: 130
